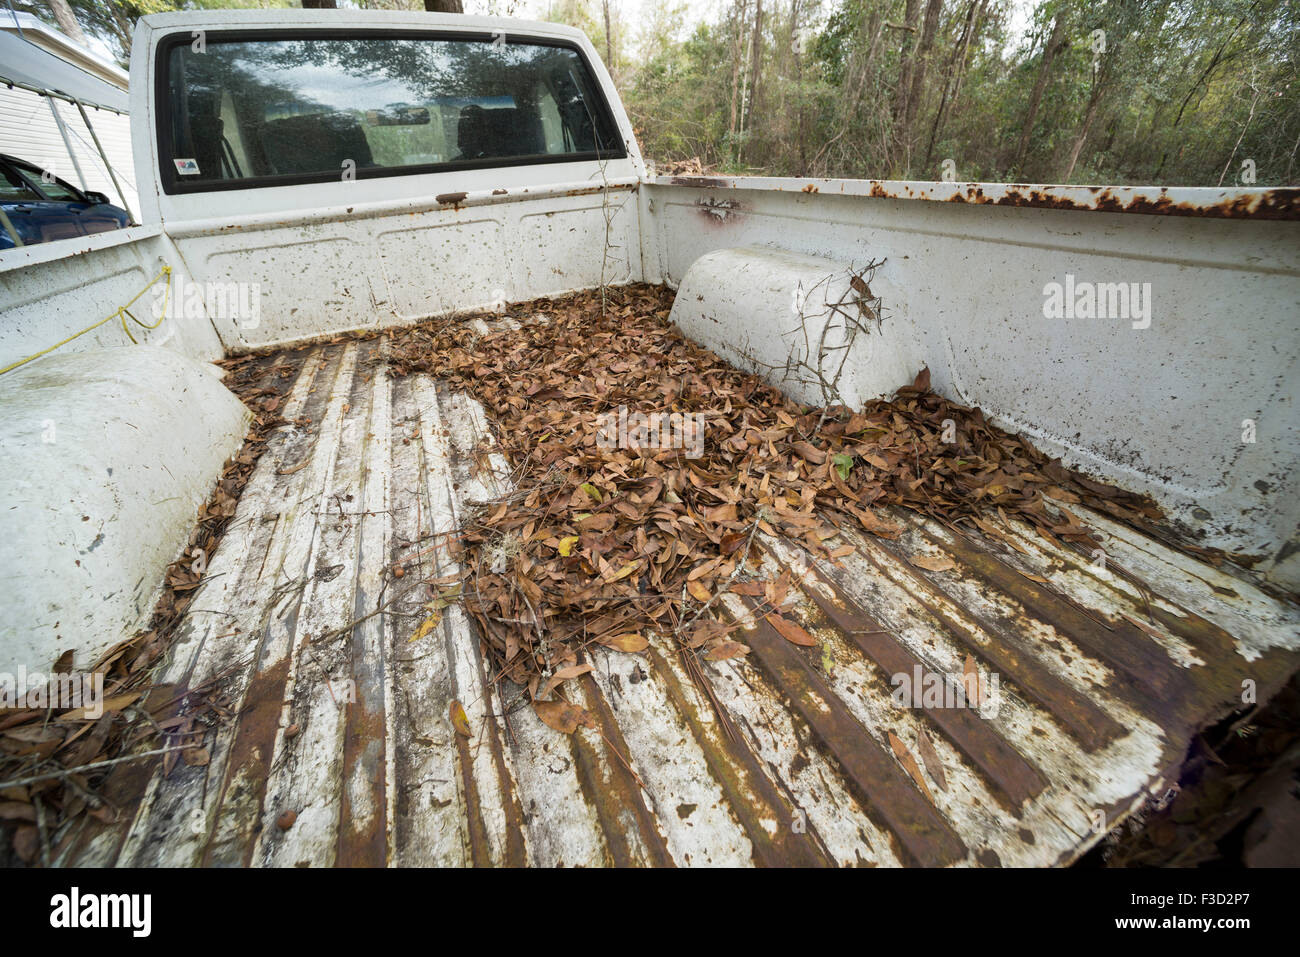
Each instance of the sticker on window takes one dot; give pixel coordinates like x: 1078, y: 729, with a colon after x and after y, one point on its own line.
x: 187, y: 167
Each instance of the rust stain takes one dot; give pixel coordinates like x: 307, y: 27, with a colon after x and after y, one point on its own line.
x: 1092, y: 727
x: 880, y: 784
x: 250, y: 755
x: 516, y: 854
x: 750, y: 794
x: 721, y: 212
x: 1013, y: 777
x: 450, y: 199
x: 479, y: 844
x: 700, y: 182
x: 1282, y: 203
x: 620, y: 797
x: 364, y: 844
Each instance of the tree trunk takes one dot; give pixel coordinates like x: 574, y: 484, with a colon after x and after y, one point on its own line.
x: 798, y: 68
x: 1255, y: 88
x: 860, y: 75
x: 921, y: 67
x: 1093, y: 101
x: 956, y: 66
x: 736, y: 51
x: 67, y: 22
x: 905, y: 62
x: 1044, y: 71
x: 434, y: 6
x: 756, y: 67
x: 319, y: 5
x: 609, y: 47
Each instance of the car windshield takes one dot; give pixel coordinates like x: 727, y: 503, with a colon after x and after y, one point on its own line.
x: 298, y: 109
x: 12, y: 187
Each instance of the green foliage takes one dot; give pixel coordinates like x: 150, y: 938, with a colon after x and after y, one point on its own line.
x: 1184, y: 93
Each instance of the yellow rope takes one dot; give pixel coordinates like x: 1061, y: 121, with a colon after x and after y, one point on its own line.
x: 123, y: 313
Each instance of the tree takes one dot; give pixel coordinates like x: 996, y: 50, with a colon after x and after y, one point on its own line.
x: 904, y: 88
x: 609, y: 50
x: 1054, y: 44
x: 956, y: 69
x: 67, y: 22
x: 444, y: 6
x: 922, y: 65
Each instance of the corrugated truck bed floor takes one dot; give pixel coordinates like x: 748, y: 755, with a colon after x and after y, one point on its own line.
x: 1096, y: 685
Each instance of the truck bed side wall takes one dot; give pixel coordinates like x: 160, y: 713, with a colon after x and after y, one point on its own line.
x: 1193, y: 403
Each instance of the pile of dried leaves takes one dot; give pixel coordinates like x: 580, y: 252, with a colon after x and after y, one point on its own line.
x: 60, y: 769
x: 606, y: 545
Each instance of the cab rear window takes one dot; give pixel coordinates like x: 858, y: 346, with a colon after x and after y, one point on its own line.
x: 241, y: 111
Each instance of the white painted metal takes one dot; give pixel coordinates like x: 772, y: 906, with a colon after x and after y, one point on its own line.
x: 798, y: 322
x: 109, y: 455
x: 51, y: 291
x: 1233, y: 201
x: 377, y: 265
x: 1194, y: 406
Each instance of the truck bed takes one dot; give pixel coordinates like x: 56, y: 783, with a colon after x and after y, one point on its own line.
x: 341, y: 748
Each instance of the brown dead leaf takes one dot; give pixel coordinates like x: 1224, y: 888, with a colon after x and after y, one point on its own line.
x: 563, y: 717
x: 934, y: 563
x: 909, y: 763
x: 972, y: 682
x: 791, y: 631
x: 726, y: 649
x: 630, y: 642
x: 562, y: 675
x: 698, y: 591
x: 931, y: 759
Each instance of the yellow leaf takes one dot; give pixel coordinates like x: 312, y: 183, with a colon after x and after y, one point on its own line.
x: 459, y: 720
x: 626, y: 570
x: 698, y: 591
x: 566, y: 545
x: 427, y: 625
x: 591, y: 490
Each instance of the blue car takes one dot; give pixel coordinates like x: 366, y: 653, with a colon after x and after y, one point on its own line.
x: 43, y: 208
